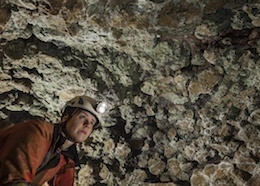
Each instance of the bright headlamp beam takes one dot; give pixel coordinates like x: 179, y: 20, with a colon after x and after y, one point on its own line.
x: 101, y: 107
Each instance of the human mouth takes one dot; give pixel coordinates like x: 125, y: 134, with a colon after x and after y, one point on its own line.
x: 84, y: 132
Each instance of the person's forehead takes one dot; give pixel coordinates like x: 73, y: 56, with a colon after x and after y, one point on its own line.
x: 88, y: 114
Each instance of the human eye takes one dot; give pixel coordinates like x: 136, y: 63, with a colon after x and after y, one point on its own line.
x: 92, y: 123
x: 82, y: 117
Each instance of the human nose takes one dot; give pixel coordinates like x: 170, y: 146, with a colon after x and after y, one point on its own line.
x: 87, y: 123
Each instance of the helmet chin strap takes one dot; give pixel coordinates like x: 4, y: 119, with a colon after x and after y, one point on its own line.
x: 64, y: 127
x: 67, y: 136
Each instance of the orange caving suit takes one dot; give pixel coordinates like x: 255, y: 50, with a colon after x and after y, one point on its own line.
x: 23, y: 149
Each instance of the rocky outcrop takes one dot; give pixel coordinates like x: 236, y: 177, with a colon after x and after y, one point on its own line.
x: 181, y: 79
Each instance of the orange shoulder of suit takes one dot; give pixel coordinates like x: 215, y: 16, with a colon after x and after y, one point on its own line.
x: 22, y: 150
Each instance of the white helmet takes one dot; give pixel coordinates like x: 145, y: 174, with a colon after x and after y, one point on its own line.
x: 89, y: 104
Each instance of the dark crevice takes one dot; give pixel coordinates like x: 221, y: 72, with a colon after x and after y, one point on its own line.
x: 15, y: 117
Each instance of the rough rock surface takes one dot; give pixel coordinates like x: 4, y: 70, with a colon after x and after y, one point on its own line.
x: 182, y: 79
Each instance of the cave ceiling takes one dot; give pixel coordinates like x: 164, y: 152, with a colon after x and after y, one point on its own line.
x: 181, y: 78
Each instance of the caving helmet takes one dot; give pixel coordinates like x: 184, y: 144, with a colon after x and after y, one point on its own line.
x: 89, y: 104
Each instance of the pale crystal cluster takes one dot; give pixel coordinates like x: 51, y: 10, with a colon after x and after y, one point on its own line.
x: 181, y: 79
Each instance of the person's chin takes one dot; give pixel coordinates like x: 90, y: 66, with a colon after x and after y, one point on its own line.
x: 81, y: 139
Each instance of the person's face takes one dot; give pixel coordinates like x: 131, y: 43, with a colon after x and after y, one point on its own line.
x: 80, y: 126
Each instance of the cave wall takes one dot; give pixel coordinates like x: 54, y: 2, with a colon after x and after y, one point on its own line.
x: 182, y: 79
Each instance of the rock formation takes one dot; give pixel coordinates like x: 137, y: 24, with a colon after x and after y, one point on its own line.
x: 182, y: 79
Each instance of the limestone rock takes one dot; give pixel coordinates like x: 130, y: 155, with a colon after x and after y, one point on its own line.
x: 181, y: 79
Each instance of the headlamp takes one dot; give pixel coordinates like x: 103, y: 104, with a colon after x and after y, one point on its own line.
x: 101, y: 107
